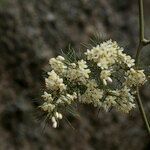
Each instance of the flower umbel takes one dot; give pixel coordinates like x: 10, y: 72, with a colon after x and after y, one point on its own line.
x: 105, y: 78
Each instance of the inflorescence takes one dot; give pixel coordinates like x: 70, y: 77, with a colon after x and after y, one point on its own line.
x: 106, y: 78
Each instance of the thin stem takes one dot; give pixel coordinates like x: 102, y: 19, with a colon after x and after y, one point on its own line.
x: 142, y: 42
x: 141, y: 108
x: 140, y: 46
x: 141, y: 20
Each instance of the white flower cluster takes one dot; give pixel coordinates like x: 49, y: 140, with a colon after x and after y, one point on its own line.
x: 107, y: 54
x: 105, y: 78
x: 57, y: 64
x: 92, y: 94
x: 121, y: 99
x: 135, y: 77
x: 54, y: 82
x: 78, y: 73
x: 104, y: 54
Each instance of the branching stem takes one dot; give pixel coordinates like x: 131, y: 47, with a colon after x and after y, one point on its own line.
x: 142, y: 42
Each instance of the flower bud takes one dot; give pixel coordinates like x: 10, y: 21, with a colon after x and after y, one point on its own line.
x: 109, y: 79
x: 60, y: 116
x: 60, y: 58
x: 57, y: 115
x: 55, y: 124
x: 53, y: 119
x: 104, y: 81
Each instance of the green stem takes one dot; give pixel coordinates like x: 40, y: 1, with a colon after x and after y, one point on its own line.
x: 142, y: 42
x: 141, y: 108
x: 138, y: 55
x: 141, y: 21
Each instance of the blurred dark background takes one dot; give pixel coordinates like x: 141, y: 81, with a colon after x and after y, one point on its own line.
x: 31, y: 32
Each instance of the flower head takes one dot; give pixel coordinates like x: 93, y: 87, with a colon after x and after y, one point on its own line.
x: 87, y: 81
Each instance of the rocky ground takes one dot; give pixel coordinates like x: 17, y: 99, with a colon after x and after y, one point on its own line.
x: 33, y: 31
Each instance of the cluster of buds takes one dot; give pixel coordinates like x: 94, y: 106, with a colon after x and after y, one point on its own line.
x: 55, y: 118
